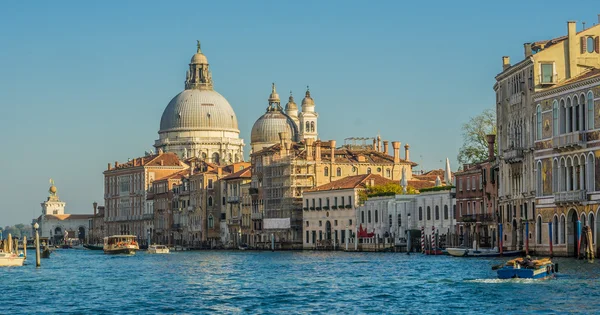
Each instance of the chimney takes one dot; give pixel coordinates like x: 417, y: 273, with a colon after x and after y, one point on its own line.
x: 95, y: 204
x: 378, y: 144
x: 385, y: 147
x: 396, y: 147
x: 219, y: 172
x: 491, y: 139
x: 109, y: 166
x: 116, y: 164
x: 281, y: 143
x: 572, y: 42
x: 318, y: 151
x: 505, y: 62
x: 193, y: 166
x: 374, y: 145
x: 332, y: 144
x: 527, y: 47
x: 309, y: 148
x: 162, y: 163
x: 598, y: 18
x: 406, y: 152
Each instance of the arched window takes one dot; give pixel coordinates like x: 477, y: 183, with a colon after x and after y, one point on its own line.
x: 211, y: 221
x: 376, y: 216
x: 562, y: 229
x: 215, y: 158
x: 312, y: 126
x: 420, y: 213
x: 428, y: 213
x: 590, y: 44
x: 539, y: 122
x: 369, y: 216
x: 555, y: 230
x: 339, y: 171
x: 326, y: 171
x: 307, y: 129
x: 210, y: 201
x: 540, y: 186
x: 437, y: 212
x: 590, y: 168
x: 369, y: 170
x: 538, y: 230
x: 362, y: 217
x: 445, y: 212
x: 590, y: 110
x: 555, y: 126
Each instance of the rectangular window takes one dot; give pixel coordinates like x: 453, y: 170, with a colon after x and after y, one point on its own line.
x: 468, y: 207
x: 473, y: 182
x: 468, y: 184
x: 480, y: 182
x: 335, y: 201
x: 342, y: 201
x: 349, y: 222
x: 460, y: 184
x: 210, y: 184
x: 320, y: 223
x: 547, y: 73
x: 307, y: 237
x: 335, y: 223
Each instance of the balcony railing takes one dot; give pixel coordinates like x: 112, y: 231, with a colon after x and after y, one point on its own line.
x: 256, y: 216
x: 233, y: 221
x: 148, y: 216
x: 176, y: 226
x: 233, y: 199
x: 574, y: 196
x: 483, y: 218
x: 514, y: 155
x: 569, y: 140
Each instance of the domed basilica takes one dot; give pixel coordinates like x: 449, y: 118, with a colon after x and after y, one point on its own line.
x: 293, y: 126
x: 200, y: 122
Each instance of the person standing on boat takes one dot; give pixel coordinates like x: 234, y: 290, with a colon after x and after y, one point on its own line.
x: 527, y: 262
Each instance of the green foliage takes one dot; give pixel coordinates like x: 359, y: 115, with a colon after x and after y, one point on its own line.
x: 436, y: 188
x: 475, y: 146
x: 17, y: 230
x: 389, y: 189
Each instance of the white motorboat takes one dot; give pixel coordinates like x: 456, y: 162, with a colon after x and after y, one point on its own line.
x: 158, y: 249
x: 121, y: 244
x: 10, y: 259
x: 457, y: 251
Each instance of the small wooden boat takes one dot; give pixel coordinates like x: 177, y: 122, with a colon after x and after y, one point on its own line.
x: 527, y: 269
x: 46, y: 253
x: 468, y: 252
x: 437, y: 251
x: 158, y: 249
x: 121, y: 244
x: 93, y: 247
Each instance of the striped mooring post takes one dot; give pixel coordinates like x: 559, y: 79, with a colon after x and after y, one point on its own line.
x: 433, y: 240
x: 423, y: 239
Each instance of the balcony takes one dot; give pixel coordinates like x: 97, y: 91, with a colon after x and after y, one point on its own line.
x: 513, y: 155
x: 148, y: 216
x: 256, y: 216
x: 233, y: 221
x: 233, y: 199
x: 570, y: 197
x: 176, y: 226
x: 253, y: 191
x: 482, y: 218
x: 573, y: 140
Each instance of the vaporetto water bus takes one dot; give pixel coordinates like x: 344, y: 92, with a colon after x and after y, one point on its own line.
x: 121, y: 244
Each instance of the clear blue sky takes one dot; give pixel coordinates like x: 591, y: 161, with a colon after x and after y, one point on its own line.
x: 83, y: 84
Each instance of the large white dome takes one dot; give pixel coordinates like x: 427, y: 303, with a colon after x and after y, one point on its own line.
x: 198, y: 110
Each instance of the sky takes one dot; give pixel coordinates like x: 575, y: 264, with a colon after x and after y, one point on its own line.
x: 83, y: 84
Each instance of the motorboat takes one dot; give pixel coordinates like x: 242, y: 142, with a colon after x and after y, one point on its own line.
x: 527, y: 269
x: 158, y: 249
x: 8, y: 259
x: 469, y: 252
x: 121, y: 244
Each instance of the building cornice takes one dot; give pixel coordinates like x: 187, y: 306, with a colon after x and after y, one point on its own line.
x: 566, y: 89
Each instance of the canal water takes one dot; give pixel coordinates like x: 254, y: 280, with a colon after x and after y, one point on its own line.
x: 221, y: 282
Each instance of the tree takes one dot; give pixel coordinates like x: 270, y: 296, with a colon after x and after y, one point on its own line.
x: 475, y: 146
x: 389, y: 189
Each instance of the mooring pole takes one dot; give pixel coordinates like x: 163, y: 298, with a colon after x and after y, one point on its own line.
x: 37, y: 245
x: 550, y: 234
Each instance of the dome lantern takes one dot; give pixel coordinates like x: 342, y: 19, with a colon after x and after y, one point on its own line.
x: 198, y: 76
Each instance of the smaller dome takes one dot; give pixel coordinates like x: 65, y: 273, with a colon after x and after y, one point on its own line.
x: 199, y: 58
x: 267, y: 128
x: 291, y: 105
x: 308, y: 101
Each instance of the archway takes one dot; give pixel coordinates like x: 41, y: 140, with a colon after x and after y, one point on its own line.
x: 572, y: 232
x: 58, y: 235
x: 328, y: 230
x: 592, y: 224
x: 81, y: 234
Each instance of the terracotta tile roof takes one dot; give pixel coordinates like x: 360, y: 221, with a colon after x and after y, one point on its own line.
x: 245, y: 173
x: 586, y: 75
x: 351, y: 182
x: 168, y: 159
x: 179, y: 175
x: 420, y: 184
x: 62, y: 217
